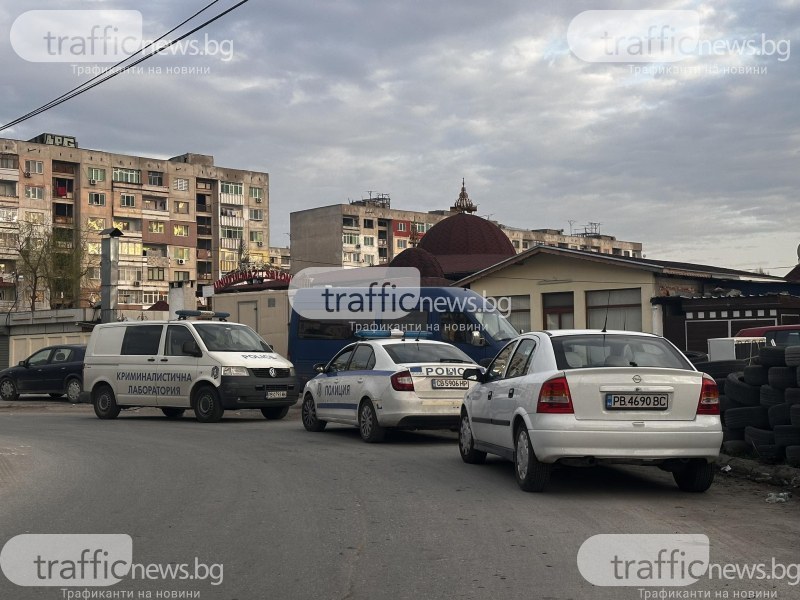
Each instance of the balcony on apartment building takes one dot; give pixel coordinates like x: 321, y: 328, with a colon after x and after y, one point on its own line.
x: 231, y: 221
x: 236, y: 199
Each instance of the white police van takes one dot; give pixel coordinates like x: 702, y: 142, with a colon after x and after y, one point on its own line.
x: 205, y: 365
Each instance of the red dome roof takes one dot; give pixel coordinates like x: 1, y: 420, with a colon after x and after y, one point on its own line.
x: 421, y: 259
x: 466, y: 234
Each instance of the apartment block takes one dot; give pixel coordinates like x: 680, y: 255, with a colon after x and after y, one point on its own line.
x: 182, y: 218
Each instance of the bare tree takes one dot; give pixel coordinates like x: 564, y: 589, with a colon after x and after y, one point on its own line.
x: 33, y: 247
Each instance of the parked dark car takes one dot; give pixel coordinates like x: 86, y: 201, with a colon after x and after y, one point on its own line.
x: 55, y: 370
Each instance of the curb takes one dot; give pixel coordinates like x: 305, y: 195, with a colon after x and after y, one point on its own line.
x: 780, y: 475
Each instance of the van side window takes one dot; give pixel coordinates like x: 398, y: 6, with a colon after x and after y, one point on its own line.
x: 456, y: 328
x: 176, y: 336
x: 141, y: 339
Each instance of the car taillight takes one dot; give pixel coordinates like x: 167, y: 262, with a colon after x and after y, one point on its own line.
x: 402, y: 382
x: 554, y: 397
x: 709, y: 398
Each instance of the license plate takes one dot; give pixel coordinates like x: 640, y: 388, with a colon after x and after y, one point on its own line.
x: 280, y: 394
x: 637, y: 401
x: 449, y: 384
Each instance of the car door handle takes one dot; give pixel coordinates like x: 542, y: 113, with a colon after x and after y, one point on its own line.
x: 151, y: 360
x: 360, y: 380
x: 511, y: 393
x: 164, y: 360
x: 489, y: 397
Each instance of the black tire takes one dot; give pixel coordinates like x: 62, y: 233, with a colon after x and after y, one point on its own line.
x: 729, y: 434
x: 721, y: 368
x: 275, y: 413
x: 173, y: 413
x: 736, y: 448
x: 755, y: 374
x: 778, y: 415
x: 794, y: 415
x: 532, y: 475
x: 466, y: 443
x: 782, y: 377
x: 758, y: 437
x: 720, y: 381
x: 368, y: 426
x: 207, y: 405
x: 792, y: 395
x: 739, y: 418
x: 73, y: 390
x: 696, y: 476
x: 793, y: 456
x: 105, y: 403
x: 787, y: 435
x: 792, y: 356
x: 743, y: 393
x: 726, y: 403
x: 308, y: 414
x: 771, y: 396
x: 8, y: 390
x: 773, y: 356
x: 769, y: 453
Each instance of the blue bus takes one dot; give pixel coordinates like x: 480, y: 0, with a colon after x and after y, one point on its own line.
x: 456, y: 315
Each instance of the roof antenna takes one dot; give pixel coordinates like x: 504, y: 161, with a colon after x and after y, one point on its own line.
x: 608, y: 302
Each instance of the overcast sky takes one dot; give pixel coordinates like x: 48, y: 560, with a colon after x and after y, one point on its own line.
x: 336, y: 98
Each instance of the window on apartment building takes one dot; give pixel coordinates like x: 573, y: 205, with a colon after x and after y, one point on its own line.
x: 181, y: 207
x: 180, y: 253
x: 350, y: 221
x: 153, y: 203
x: 93, y: 272
x: 154, y: 251
x: 153, y: 297
x: 135, y: 297
x: 401, y: 227
x: 155, y: 178
x: 515, y: 243
x: 402, y: 244
x: 369, y: 259
x: 232, y: 187
x: 130, y: 274
x: 93, y: 248
x: 256, y: 214
x: 180, y: 230
x: 155, y: 227
x: 369, y: 240
x: 96, y: 174
x: 8, y: 161
x: 155, y: 273
x: 34, y: 166
x: 614, y: 309
x: 350, y: 238
x: 97, y: 199
x: 126, y: 175
x: 558, y: 310
x: 256, y: 192
x: 181, y: 276
x: 8, y: 188
x: 202, y: 184
x: 180, y: 184
x: 34, y: 192
x: 525, y: 245
x: 257, y: 236
x: 130, y: 248
x: 96, y: 223
x: 127, y: 200
x: 122, y: 225
x: 419, y: 227
x: 369, y: 224
x: 35, y: 218
x: 232, y: 233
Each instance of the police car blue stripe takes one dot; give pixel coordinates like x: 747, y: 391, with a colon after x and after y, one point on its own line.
x: 337, y: 405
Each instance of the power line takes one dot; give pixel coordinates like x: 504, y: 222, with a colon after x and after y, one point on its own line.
x: 103, y: 77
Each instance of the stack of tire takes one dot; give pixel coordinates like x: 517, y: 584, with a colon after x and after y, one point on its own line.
x: 761, y: 407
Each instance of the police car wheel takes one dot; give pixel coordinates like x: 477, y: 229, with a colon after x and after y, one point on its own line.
x: 371, y: 431
x: 173, y: 413
x: 207, y: 406
x: 466, y: 443
x: 273, y: 414
x: 308, y: 414
x: 105, y: 404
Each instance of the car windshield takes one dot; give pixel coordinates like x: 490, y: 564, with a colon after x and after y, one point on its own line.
x: 422, y: 352
x: 225, y: 337
x: 495, y: 325
x: 616, y: 350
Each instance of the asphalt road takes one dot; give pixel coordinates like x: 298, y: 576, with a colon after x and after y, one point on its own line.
x: 291, y: 514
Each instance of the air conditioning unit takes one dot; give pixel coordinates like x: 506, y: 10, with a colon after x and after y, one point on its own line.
x: 181, y: 261
x: 93, y: 182
x: 258, y: 200
x: 27, y: 173
x: 137, y: 284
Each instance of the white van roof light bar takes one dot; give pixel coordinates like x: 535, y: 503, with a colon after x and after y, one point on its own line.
x: 208, y: 314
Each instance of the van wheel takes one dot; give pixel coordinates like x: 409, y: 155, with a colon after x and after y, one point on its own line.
x: 173, y: 413
x: 74, y: 389
x: 105, y: 404
x: 207, y: 405
x: 308, y: 413
x: 273, y: 414
x: 532, y: 475
x: 371, y: 431
x: 8, y: 390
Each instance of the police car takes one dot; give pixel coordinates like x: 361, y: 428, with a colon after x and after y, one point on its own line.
x: 388, y: 379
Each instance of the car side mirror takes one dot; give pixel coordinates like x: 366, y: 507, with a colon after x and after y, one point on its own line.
x: 319, y: 367
x: 477, y: 339
x: 191, y: 348
x: 473, y: 374
x: 23, y: 363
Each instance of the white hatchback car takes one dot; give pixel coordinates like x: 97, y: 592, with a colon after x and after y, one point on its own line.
x: 388, y: 380
x: 584, y: 397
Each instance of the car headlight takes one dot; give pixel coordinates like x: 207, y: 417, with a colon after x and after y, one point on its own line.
x: 235, y: 371
x: 291, y: 371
